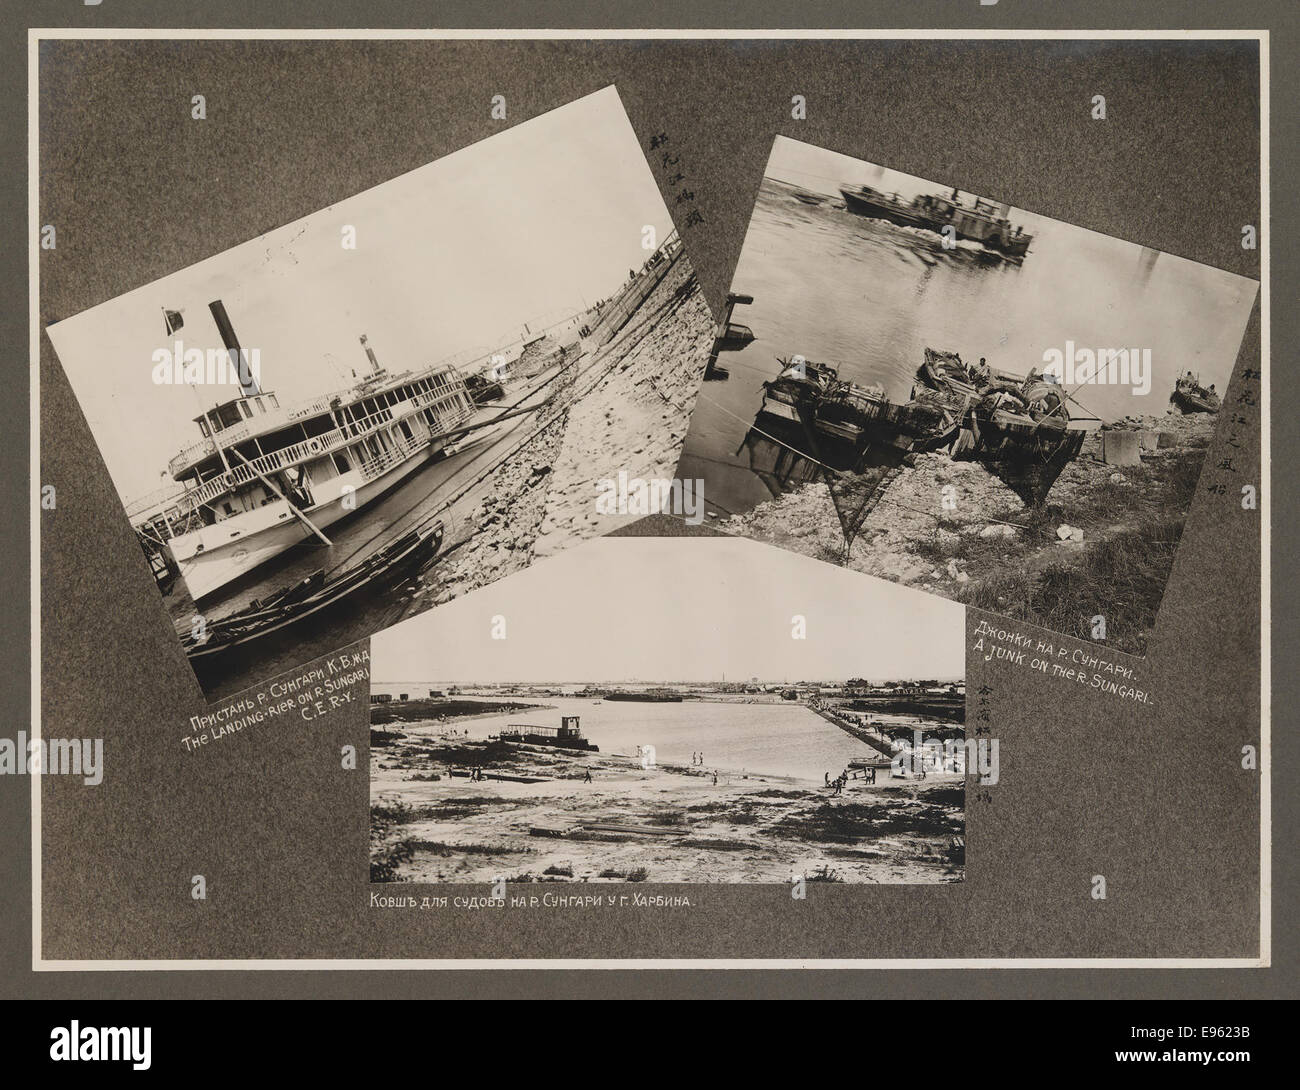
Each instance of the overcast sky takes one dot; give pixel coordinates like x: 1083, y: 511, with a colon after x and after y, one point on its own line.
x: 661, y: 609
x: 528, y: 224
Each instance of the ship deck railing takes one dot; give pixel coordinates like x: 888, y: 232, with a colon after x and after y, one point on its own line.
x: 278, y: 417
x: 373, y: 468
x: 245, y: 473
x: 155, y: 502
x: 518, y: 729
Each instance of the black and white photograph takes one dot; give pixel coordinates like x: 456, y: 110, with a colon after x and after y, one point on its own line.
x: 924, y: 384
x: 569, y: 511
x: 400, y: 398
x: 770, y: 719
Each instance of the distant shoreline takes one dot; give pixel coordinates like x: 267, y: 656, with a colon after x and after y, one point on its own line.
x: 442, y: 710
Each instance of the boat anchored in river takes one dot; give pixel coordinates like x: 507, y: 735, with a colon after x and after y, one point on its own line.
x: 1190, y: 396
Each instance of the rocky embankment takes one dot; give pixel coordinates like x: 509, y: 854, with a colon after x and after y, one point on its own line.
x: 631, y: 410
x: 1102, y: 544
x: 497, y: 536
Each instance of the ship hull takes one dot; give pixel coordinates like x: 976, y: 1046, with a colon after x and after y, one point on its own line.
x: 965, y: 226
x: 865, y: 206
x: 313, y: 597
x: 581, y: 746
x: 858, y: 440
x: 1027, y: 459
x: 207, y: 571
x: 1192, y: 403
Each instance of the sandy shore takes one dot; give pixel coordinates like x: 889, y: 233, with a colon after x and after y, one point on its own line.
x: 431, y: 823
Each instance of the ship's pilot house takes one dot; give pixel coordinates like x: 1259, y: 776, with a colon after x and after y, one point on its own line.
x: 222, y: 417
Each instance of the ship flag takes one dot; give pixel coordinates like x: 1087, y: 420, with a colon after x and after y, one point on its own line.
x: 173, y: 319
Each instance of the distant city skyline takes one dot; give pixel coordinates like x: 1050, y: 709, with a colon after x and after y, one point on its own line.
x: 474, y: 683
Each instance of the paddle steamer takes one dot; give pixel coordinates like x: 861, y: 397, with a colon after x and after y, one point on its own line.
x: 263, y: 477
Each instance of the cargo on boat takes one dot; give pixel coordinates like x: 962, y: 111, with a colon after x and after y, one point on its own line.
x: 812, y: 423
x: 1190, y: 396
x: 568, y: 735
x: 982, y: 221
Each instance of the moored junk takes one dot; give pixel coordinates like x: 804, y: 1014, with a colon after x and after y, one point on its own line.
x: 264, y: 476
x: 1190, y: 396
x: 813, y: 423
x: 980, y: 221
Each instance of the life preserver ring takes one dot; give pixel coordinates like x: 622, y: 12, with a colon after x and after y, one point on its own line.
x: 314, y: 446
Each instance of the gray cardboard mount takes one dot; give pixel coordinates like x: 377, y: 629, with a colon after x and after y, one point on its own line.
x: 1156, y: 801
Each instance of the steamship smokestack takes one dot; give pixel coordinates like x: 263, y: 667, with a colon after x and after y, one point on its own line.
x: 247, y: 380
x: 370, y: 354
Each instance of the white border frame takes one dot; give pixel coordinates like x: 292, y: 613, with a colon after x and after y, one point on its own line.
x: 40, y: 964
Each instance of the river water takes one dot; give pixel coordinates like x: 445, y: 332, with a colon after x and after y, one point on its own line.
x: 868, y: 297
x: 758, y: 739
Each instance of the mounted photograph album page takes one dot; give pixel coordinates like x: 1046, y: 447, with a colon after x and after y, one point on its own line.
x: 598, y: 502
